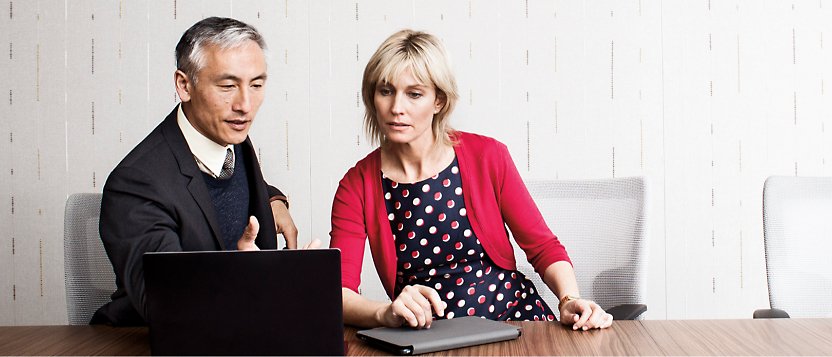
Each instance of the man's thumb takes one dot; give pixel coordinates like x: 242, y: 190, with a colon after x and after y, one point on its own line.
x: 249, y: 235
x: 251, y: 230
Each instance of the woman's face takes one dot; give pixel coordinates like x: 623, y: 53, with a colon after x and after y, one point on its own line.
x: 405, y: 109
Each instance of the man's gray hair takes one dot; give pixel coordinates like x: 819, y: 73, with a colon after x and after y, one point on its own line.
x: 222, y: 32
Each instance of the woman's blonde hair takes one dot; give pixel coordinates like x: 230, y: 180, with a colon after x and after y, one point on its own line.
x: 424, y: 55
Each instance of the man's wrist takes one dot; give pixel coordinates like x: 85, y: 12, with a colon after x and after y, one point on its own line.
x: 280, y: 198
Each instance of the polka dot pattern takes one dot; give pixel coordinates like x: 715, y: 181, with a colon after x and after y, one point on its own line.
x: 439, y: 249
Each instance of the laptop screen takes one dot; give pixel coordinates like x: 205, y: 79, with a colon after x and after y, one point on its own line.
x: 270, y: 302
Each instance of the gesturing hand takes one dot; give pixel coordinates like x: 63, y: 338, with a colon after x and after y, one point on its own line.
x: 246, y: 242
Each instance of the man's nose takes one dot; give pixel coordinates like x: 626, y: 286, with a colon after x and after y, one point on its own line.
x: 242, y: 101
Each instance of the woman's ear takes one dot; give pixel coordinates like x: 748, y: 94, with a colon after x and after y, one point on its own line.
x: 183, y: 85
x: 440, y: 101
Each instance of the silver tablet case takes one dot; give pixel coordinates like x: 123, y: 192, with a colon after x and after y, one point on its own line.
x: 443, y: 335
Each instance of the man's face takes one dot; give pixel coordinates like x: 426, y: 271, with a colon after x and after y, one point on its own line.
x: 229, y: 89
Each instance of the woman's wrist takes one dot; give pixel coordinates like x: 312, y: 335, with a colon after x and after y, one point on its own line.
x: 381, y: 315
x: 566, y: 299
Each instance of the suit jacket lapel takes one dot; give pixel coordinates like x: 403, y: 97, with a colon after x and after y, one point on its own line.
x: 188, y: 168
x: 260, y: 208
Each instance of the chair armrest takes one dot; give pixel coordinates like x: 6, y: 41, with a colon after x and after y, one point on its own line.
x: 627, y: 311
x: 770, y: 314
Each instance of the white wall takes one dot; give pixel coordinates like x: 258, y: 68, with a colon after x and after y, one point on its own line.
x: 705, y: 98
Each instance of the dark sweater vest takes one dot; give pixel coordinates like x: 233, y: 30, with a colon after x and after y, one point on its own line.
x: 231, y: 201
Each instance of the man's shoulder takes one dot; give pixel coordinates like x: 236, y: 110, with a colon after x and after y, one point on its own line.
x: 150, y: 171
x: 150, y: 152
x: 154, y: 156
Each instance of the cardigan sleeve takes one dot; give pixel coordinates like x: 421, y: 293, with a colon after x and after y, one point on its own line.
x: 523, y: 218
x: 349, y: 231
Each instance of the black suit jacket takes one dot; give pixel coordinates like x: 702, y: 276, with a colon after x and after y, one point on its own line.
x: 156, y: 200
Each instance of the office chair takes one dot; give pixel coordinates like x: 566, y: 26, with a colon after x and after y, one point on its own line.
x: 602, y: 225
x: 88, y: 274
x: 797, y: 228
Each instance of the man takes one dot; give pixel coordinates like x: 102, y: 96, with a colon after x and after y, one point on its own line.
x: 194, y: 183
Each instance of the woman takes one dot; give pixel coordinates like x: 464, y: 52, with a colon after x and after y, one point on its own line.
x: 434, y: 203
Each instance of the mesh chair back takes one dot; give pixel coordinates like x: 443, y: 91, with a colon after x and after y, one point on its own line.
x: 88, y: 273
x: 602, y: 225
x: 797, y: 226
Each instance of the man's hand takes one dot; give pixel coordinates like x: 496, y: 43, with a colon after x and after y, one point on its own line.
x: 246, y: 242
x: 284, y: 224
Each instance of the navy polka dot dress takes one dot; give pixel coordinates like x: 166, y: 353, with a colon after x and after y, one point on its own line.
x: 437, y: 248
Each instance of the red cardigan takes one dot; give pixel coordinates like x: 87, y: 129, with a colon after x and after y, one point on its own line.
x: 493, y: 191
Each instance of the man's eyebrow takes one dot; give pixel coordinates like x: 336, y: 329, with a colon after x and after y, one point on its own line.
x: 234, y: 78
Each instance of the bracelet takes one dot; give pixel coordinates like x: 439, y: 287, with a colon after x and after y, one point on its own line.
x: 565, y: 299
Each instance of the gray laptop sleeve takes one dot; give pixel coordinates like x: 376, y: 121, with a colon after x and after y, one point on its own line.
x: 443, y: 335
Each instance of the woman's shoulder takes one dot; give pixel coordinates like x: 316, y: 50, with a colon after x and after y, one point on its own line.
x: 369, y: 164
x: 477, y: 142
x: 373, y: 158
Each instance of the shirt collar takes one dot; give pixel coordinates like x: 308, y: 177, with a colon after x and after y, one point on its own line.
x: 206, y: 152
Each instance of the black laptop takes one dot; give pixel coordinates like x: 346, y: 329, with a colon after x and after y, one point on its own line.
x: 270, y: 302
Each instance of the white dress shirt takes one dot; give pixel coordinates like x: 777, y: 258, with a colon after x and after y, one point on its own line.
x: 209, y: 155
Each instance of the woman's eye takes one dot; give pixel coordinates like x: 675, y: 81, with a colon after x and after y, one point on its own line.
x: 415, y: 95
x: 385, y: 91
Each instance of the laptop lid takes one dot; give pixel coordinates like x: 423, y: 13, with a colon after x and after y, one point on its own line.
x: 270, y: 302
x: 442, y: 335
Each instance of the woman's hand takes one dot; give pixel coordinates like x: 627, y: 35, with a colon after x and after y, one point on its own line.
x: 413, y: 307
x: 584, y: 314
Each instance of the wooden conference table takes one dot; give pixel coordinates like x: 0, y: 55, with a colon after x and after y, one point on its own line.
x: 651, y: 337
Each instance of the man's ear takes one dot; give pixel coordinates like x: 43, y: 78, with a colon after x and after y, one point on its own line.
x: 183, y: 84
